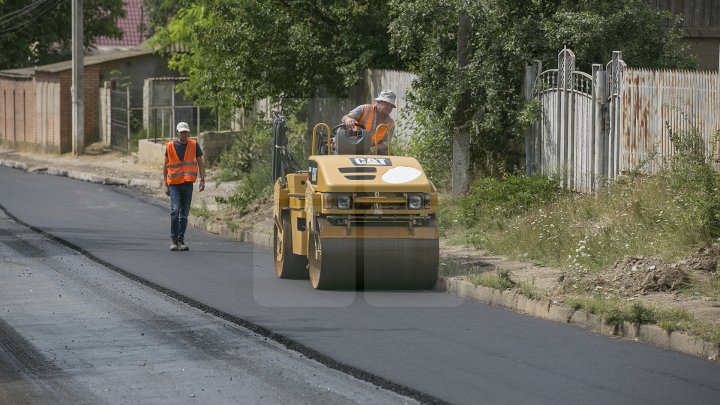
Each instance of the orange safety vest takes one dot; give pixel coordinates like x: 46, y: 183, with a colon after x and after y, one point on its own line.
x: 366, y: 121
x: 181, y: 171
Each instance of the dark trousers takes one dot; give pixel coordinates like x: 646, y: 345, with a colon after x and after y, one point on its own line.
x: 180, y: 200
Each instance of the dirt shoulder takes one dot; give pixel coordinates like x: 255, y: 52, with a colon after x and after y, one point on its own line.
x: 646, y: 280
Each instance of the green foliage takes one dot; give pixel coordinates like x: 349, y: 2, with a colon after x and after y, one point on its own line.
x: 41, y: 35
x: 694, y: 175
x: 432, y: 147
x: 506, y: 35
x: 499, y: 199
x: 674, y: 319
x: 159, y: 13
x: 255, y: 185
x: 201, y: 212
x: 246, y: 50
x: 615, y: 311
x: 666, y: 215
x: 248, y: 160
x: 502, y: 280
x: 251, y: 147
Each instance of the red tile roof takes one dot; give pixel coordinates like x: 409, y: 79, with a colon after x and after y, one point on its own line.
x: 129, y: 25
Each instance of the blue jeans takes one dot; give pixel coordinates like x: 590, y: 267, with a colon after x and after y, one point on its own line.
x: 180, y: 200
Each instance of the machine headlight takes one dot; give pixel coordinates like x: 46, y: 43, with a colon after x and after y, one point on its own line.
x: 343, y: 201
x: 415, y: 201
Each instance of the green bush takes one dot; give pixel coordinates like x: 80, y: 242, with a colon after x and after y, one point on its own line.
x: 492, y: 199
x: 430, y: 147
x: 248, y: 160
x: 251, y: 146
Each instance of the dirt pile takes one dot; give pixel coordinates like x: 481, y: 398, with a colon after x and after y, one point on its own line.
x: 639, y: 275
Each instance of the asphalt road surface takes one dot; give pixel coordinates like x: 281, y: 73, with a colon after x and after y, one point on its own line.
x: 429, y: 345
x: 75, y: 332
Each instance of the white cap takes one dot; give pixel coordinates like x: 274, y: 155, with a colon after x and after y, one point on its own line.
x: 388, y: 96
x: 183, y: 127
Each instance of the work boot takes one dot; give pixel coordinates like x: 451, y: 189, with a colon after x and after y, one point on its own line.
x: 174, y: 244
x: 181, y: 244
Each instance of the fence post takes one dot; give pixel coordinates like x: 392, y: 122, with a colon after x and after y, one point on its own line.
x: 566, y: 65
x: 127, y: 90
x: 599, y: 125
x: 531, y: 72
x: 613, y: 111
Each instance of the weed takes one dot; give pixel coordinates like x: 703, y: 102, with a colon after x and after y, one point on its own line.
x: 501, y: 280
x: 640, y: 314
x: 529, y: 291
x: 201, y: 212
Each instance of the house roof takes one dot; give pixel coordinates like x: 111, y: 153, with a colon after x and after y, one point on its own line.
x: 67, y: 65
x: 130, y: 26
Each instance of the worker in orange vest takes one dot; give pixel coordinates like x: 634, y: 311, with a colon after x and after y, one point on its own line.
x: 183, y: 162
x: 369, y: 116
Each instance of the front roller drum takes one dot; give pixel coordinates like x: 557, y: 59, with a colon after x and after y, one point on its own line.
x: 287, y: 264
x: 372, y: 264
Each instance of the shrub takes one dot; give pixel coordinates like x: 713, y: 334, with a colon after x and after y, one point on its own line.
x: 248, y: 161
x: 492, y: 199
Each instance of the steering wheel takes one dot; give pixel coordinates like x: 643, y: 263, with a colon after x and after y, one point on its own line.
x: 351, y: 132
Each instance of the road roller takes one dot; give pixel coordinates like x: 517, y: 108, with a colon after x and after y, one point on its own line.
x: 350, y: 220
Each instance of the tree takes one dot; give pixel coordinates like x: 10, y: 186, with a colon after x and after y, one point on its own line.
x: 40, y: 32
x: 506, y: 35
x: 159, y: 13
x: 461, y: 140
x: 245, y: 50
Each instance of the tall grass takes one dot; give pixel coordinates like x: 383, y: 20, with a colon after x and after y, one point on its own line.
x: 666, y: 215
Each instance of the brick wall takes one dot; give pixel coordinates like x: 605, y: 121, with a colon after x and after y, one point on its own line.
x: 92, y: 103
x: 91, y: 82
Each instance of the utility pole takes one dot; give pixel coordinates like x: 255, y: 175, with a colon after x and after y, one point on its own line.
x: 461, y: 134
x: 77, y: 89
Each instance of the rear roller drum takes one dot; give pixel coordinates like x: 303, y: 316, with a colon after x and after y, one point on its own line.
x: 287, y: 264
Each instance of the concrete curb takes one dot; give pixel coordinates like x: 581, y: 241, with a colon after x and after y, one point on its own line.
x: 650, y: 334
x: 242, y: 235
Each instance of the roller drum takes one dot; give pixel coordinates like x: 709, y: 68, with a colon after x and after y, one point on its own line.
x: 373, y: 263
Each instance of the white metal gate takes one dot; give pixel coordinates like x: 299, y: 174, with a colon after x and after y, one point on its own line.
x: 562, y: 144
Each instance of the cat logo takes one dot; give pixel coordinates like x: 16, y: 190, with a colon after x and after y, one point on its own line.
x: 361, y: 161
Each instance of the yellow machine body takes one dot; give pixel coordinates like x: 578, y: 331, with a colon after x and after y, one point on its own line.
x: 357, y: 221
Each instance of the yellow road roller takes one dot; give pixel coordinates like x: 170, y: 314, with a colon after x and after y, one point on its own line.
x: 349, y: 220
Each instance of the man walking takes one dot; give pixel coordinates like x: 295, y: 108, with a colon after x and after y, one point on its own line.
x: 183, y: 161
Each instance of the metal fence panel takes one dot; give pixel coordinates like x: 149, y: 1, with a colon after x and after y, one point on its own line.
x: 661, y: 101
x: 119, y: 119
x: 617, y: 121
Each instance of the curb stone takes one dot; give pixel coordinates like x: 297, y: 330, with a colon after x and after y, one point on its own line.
x: 651, y: 334
x: 543, y: 309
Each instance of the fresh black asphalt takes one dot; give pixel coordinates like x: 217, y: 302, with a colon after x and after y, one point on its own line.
x: 427, y: 342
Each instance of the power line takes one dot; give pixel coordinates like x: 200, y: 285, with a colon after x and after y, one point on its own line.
x: 34, y: 17
x: 20, y: 12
